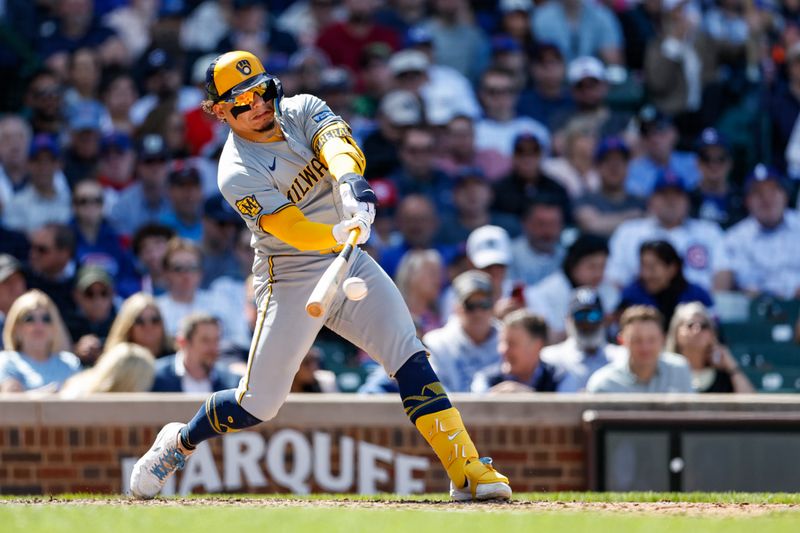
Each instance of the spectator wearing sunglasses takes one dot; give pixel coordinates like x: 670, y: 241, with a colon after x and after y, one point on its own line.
x: 96, y: 242
x: 52, y: 266
x: 185, y: 195
x: 139, y: 321
x: 94, y: 294
x: 183, y: 266
x: 467, y: 343
x: 661, y: 282
x: 585, y: 350
x: 36, y: 342
x: 692, y: 334
x: 220, y: 225
x: 716, y: 199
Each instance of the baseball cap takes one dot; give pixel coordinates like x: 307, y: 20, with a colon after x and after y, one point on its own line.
x: 116, y: 140
x: 152, y: 147
x: 157, y: 60
x: 507, y: 6
x: 470, y: 173
x: 418, y: 35
x: 471, y: 282
x: 489, y: 245
x: 585, y: 306
x: 611, y: 144
x: 710, y: 137
x: 541, y: 49
x: 585, y: 67
x: 44, y: 142
x: 86, y: 115
x: 89, y: 275
x: 183, y: 174
x: 669, y: 179
x: 762, y: 173
x: 505, y: 43
x: 334, y: 80
x: 651, y: 120
x: 402, y: 108
x: 408, y: 61
x: 526, y: 137
x: 9, y: 265
x: 217, y: 208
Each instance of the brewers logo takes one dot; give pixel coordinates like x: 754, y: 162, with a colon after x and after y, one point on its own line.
x: 249, y: 206
x: 243, y: 66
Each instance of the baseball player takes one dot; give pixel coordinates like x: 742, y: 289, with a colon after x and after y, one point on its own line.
x: 292, y: 170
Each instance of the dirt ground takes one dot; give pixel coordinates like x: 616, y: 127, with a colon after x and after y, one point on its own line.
x: 669, y: 508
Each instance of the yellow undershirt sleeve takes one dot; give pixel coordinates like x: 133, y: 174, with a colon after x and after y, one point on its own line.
x: 292, y: 227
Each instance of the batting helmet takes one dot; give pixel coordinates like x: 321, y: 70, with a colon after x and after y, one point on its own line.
x: 234, y: 76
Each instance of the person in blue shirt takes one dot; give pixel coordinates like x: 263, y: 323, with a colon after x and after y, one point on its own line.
x: 186, y: 198
x: 661, y: 283
x: 36, y: 341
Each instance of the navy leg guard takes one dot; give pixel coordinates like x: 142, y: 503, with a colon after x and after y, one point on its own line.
x: 219, y: 415
x: 420, y: 389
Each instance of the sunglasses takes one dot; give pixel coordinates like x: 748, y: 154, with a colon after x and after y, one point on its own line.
x: 183, y: 269
x: 40, y: 249
x: 266, y: 89
x: 30, y: 318
x: 475, y: 305
x: 89, y: 200
x: 100, y: 293
x: 588, y: 315
x: 143, y: 321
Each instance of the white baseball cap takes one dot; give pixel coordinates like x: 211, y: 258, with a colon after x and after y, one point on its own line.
x: 585, y: 67
x: 489, y: 245
x: 408, y: 61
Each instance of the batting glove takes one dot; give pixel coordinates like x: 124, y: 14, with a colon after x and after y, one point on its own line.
x: 357, y: 196
x: 360, y: 220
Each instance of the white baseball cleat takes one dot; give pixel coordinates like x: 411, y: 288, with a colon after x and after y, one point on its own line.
x: 164, y: 457
x: 483, y: 483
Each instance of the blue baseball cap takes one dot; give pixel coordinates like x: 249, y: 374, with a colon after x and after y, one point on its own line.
x: 86, y: 115
x: 669, y: 179
x: 762, y: 173
x: 417, y: 36
x: 611, y: 144
x: 711, y: 137
x: 44, y: 142
x: 116, y: 140
x: 470, y: 173
x: 505, y: 43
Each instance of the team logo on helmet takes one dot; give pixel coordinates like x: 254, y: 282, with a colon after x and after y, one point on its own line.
x: 244, y: 67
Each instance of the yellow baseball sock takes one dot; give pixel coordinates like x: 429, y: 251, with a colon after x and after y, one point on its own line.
x: 446, y: 434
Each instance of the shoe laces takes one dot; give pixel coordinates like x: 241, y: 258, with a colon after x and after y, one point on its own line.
x: 168, y: 463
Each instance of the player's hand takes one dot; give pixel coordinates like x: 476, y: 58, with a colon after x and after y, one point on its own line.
x: 359, y: 220
x: 357, y: 196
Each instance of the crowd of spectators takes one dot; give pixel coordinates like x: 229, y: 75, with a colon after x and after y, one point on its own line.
x: 565, y: 186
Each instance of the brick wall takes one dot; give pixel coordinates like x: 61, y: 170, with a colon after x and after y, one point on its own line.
x: 51, y: 446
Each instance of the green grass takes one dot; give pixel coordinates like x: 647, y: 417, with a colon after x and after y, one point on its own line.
x: 446, y: 519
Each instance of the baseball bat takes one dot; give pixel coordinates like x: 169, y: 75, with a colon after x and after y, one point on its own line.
x: 325, y: 289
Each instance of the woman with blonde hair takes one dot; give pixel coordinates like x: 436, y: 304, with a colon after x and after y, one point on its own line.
x: 127, y: 367
x: 575, y: 169
x: 692, y: 334
x: 419, y: 277
x: 36, y: 342
x: 139, y: 321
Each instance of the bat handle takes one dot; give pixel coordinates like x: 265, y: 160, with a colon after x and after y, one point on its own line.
x: 352, y: 239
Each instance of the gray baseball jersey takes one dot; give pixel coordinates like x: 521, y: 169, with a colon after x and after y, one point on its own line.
x: 261, y: 179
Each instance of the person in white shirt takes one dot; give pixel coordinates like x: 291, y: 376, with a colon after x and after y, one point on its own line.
x: 762, y: 252
x: 501, y: 125
x: 697, y: 241
x: 468, y: 341
x: 183, y: 273
x: 583, y: 265
x: 41, y: 200
x: 585, y: 351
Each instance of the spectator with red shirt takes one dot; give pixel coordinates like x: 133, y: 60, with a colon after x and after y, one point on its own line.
x: 344, y: 42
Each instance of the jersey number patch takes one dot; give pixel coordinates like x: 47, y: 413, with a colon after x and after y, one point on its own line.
x: 249, y: 206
